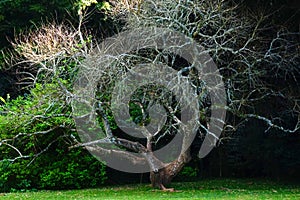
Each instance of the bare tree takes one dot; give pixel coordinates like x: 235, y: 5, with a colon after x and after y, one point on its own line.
x: 250, y: 61
x: 247, y: 58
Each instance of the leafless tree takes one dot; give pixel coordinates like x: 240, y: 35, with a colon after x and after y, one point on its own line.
x: 250, y: 61
x: 246, y: 56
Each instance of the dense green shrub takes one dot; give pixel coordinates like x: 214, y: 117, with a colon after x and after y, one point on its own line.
x: 37, y: 155
x: 74, y: 169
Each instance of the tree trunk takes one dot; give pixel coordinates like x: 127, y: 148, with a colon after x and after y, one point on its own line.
x: 164, y: 176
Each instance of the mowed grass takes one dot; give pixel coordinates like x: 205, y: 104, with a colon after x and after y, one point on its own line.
x: 204, y: 189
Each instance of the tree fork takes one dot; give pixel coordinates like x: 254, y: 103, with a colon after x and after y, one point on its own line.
x: 164, y: 176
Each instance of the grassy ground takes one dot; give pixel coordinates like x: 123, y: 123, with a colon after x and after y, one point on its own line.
x: 205, y: 189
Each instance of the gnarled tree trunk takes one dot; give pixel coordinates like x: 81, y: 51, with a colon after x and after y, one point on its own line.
x: 164, y: 176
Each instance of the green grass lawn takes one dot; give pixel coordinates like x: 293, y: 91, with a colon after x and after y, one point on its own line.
x: 205, y: 189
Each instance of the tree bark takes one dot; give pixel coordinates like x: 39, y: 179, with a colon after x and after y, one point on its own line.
x: 164, y: 176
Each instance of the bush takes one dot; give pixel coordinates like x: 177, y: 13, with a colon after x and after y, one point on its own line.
x: 55, y: 170
x: 35, y: 154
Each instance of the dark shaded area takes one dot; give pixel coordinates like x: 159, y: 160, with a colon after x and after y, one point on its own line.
x: 253, y: 153
x: 6, y: 83
x: 285, y: 12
